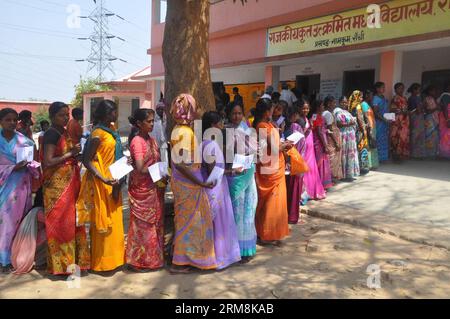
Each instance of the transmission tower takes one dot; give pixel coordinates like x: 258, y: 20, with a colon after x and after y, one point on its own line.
x: 100, y: 57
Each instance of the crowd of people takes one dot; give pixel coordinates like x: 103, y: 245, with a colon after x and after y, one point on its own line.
x: 216, y: 223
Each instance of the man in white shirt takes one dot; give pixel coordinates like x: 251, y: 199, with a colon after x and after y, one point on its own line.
x: 268, y: 93
x: 287, y: 95
x: 159, y: 130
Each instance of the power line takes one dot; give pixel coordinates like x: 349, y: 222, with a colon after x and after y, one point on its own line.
x: 25, y: 27
x: 33, y: 7
x: 39, y: 32
x: 38, y: 56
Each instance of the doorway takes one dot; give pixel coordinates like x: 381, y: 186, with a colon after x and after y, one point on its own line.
x: 309, y: 85
x: 437, y: 78
x: 358, y: 80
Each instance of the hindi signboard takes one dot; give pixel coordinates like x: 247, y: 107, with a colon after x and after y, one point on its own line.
x: 399, y: 18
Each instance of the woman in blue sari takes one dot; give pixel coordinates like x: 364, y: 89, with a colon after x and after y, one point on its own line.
x: 381, y: 106
x: 15, y: 183
x: 242, y: 186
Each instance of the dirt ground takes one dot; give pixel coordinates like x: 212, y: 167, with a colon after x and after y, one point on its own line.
x: 321, y: 259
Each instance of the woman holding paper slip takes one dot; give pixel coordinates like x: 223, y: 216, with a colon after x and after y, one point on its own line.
x: 100, y: 200
x: 226, y: 243
x: 242, y: 187
x: 194, y: 235
x: 271, y: 212
x: 145, y: 243
x: 15, y: 183
x: 67, y: 243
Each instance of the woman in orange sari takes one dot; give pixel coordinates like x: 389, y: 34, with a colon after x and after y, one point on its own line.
x: 145, y: 242
x: 271, y: 212
x: 67, y: 244
x: 100, y: 200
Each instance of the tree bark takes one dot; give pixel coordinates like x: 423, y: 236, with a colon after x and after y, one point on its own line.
x: 185, y: 52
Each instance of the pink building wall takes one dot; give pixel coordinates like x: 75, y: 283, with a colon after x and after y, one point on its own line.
x: 238, y: 33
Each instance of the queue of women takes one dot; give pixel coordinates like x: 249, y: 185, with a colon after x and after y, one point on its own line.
x: 217, y: 223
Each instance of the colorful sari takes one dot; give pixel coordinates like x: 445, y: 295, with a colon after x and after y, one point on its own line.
x: 334, y: 144
x: 322, y: 159
x: 226, y: 245
x: 15, y: 192
x: 244, y: 198
x: 194, y: 234
x: 294, y: 183
x: 97, y: 205
x: 431, y: 127
x: 145, y: 241
x: 372, y: 135
x: 362, y: 140
x: 400, y: 128
x: 67, y: 243
x: 350, y: 161
x: 271, y: 212
x: 382, y: 128
x: 417, y: 127
x: 444, y: 145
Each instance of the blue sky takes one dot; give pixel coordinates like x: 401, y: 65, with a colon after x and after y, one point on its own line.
x: 38, y: 49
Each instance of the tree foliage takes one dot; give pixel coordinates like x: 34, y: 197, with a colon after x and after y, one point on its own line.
x: 40, y: 115
x: 88, y: 85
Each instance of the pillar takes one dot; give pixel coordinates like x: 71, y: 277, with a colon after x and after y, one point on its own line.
x: 272, y: 76
x: 86, y: 112
x: 391, y: 70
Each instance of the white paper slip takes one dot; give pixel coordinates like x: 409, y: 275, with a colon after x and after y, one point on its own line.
x: 83, y: 143
x: 127, y: 153
x: 158, y: 171
x: 389, y: 116
x: 25, y: 154
x: 244, y: 161
x: 295, y: 137
x: 120, y: 168
x: 216, y: 174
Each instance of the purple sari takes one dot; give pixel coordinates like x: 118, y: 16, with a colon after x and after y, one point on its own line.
x: 15, y: 192
x: 226, y: 243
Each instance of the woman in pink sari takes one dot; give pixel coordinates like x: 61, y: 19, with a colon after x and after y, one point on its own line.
x: 444, y: 124
x: 311, y: 179
x: 321, y: 148
x: 145, y: 243
x: 15, y: 183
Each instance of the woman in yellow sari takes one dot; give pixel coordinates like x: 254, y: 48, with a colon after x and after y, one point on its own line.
x: 100, y: 200
x: 194, y: 236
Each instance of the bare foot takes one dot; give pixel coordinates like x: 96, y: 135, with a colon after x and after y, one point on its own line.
x: 180, y: 269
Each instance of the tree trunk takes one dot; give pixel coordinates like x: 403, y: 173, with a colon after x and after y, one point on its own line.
x: 185, y: 52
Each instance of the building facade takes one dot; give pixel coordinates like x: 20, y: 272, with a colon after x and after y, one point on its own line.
x: 322, y: 46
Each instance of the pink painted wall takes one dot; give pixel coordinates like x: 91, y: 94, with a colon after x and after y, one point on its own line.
x: 238, y: 33
x: 21, y: 106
